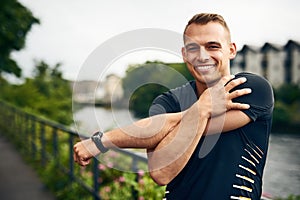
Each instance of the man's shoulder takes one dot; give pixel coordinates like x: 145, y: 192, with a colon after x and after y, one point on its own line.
x: 261, y: 99
x: 251, y: 76
x: 248, y: 74
x: 255, y: 81
x: 175, y: 100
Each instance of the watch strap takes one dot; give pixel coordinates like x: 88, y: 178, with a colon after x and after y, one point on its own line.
x: 96, y: 138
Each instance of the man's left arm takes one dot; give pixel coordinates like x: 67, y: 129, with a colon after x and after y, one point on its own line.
x: 229, y: 121
x: 261, y: 101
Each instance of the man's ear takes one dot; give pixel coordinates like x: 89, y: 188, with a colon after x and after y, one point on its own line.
x: 183, y: 53
x: 232, y: 51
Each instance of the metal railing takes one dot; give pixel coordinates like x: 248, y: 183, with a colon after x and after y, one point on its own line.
x: 48, y: 142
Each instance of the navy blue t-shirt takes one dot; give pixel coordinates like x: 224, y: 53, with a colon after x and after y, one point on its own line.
x: 231, y: 168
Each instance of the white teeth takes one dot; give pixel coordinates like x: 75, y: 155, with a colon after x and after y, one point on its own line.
x: 204, y: 67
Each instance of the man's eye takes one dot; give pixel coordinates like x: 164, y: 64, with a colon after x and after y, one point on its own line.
x: 193, y: 49
x: 213, y: 47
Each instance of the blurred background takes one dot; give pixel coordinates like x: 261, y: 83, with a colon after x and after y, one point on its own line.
x: 44, y: 47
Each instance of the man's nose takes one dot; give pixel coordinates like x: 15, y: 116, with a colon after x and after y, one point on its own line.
x: 203, y: 55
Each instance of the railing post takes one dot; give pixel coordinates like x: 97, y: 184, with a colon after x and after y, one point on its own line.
x: 71, y: 160
x: 43, y: 143
x: 27, y: 133
x: 95, y: 178
x: 135, y: 170
x: 18, y: 126
x: 14, y: 124
x: 33, y: 136
x: 8, y: 119
x: 55, y: 146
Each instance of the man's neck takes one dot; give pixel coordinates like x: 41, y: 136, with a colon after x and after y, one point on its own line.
x: 201, y: 87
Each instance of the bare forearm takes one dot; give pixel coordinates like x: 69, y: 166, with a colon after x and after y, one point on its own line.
x: 145, y: 133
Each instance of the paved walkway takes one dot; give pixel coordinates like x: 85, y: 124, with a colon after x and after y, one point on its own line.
x: 17, y: 179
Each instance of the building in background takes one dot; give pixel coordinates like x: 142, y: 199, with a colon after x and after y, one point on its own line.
x: 278, y: 64
x: 113, y: 90
x: 103, y: 93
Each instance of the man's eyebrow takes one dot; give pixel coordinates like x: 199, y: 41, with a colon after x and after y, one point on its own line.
x: 191, y: 44
x: 213, y: 42
x: 207, y: 43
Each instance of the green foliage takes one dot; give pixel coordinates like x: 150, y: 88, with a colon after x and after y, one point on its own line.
x: 122, y: 187
x: 47, y: 94
x: 290, y: 197
x: 141, y: 99
x: 144, y: 82
x: 59, y: 183
x: 281, y: 114
x: 286, y: 115
x: 15, y: 22
x: 117, y: 181
x: 288, y: 94
x: 114, y: 184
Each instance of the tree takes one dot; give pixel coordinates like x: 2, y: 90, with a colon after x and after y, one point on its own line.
x: 15, y: 22
x: 144, y: 82
x: 286, y: 115
x: 54, y: 92
x: 47, y: 94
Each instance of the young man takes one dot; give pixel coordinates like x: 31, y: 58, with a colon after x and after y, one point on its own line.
x: 209, y: 138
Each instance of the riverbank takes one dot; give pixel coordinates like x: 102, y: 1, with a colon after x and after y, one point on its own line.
x: 282, y: 171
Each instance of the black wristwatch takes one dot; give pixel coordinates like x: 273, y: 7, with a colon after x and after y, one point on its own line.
x: 96, y: 138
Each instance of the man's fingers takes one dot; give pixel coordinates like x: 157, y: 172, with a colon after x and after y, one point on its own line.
x: 238, y: 93
x: 81, y: 160
x: 84, y: 162
x: 239, y: 106
x: 81, y: 154
x: 233, y: 83
x: 235, y: 94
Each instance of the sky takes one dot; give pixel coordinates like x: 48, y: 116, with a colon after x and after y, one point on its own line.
x: 71, y: 30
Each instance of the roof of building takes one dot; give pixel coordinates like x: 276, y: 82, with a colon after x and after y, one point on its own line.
x: 292, y: 44
x: 249, y: 48
x: 271, y: 46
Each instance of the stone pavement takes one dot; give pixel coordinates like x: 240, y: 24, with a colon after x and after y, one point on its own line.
x: 17, y: 179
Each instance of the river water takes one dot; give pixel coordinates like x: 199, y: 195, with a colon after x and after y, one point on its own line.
x: 282, y: 171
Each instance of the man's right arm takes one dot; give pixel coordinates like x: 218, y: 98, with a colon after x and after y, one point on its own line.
x: 146, y: 133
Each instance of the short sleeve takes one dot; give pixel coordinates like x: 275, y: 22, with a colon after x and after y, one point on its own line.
x: 175, y: 100
x: 164, y: 103
x: 261, y: 99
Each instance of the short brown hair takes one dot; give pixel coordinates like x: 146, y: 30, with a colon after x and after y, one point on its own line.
x: 205, y: 18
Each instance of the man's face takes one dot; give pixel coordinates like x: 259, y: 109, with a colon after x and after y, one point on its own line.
x: 207, y: 52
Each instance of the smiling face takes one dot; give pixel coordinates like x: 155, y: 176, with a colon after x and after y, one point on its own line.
x: 207, y: 52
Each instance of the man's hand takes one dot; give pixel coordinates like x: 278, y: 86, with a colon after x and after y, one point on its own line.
x: 217, y: 100
x: 84, y: 151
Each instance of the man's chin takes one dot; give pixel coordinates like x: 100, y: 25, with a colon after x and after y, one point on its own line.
x: 210, y: 79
